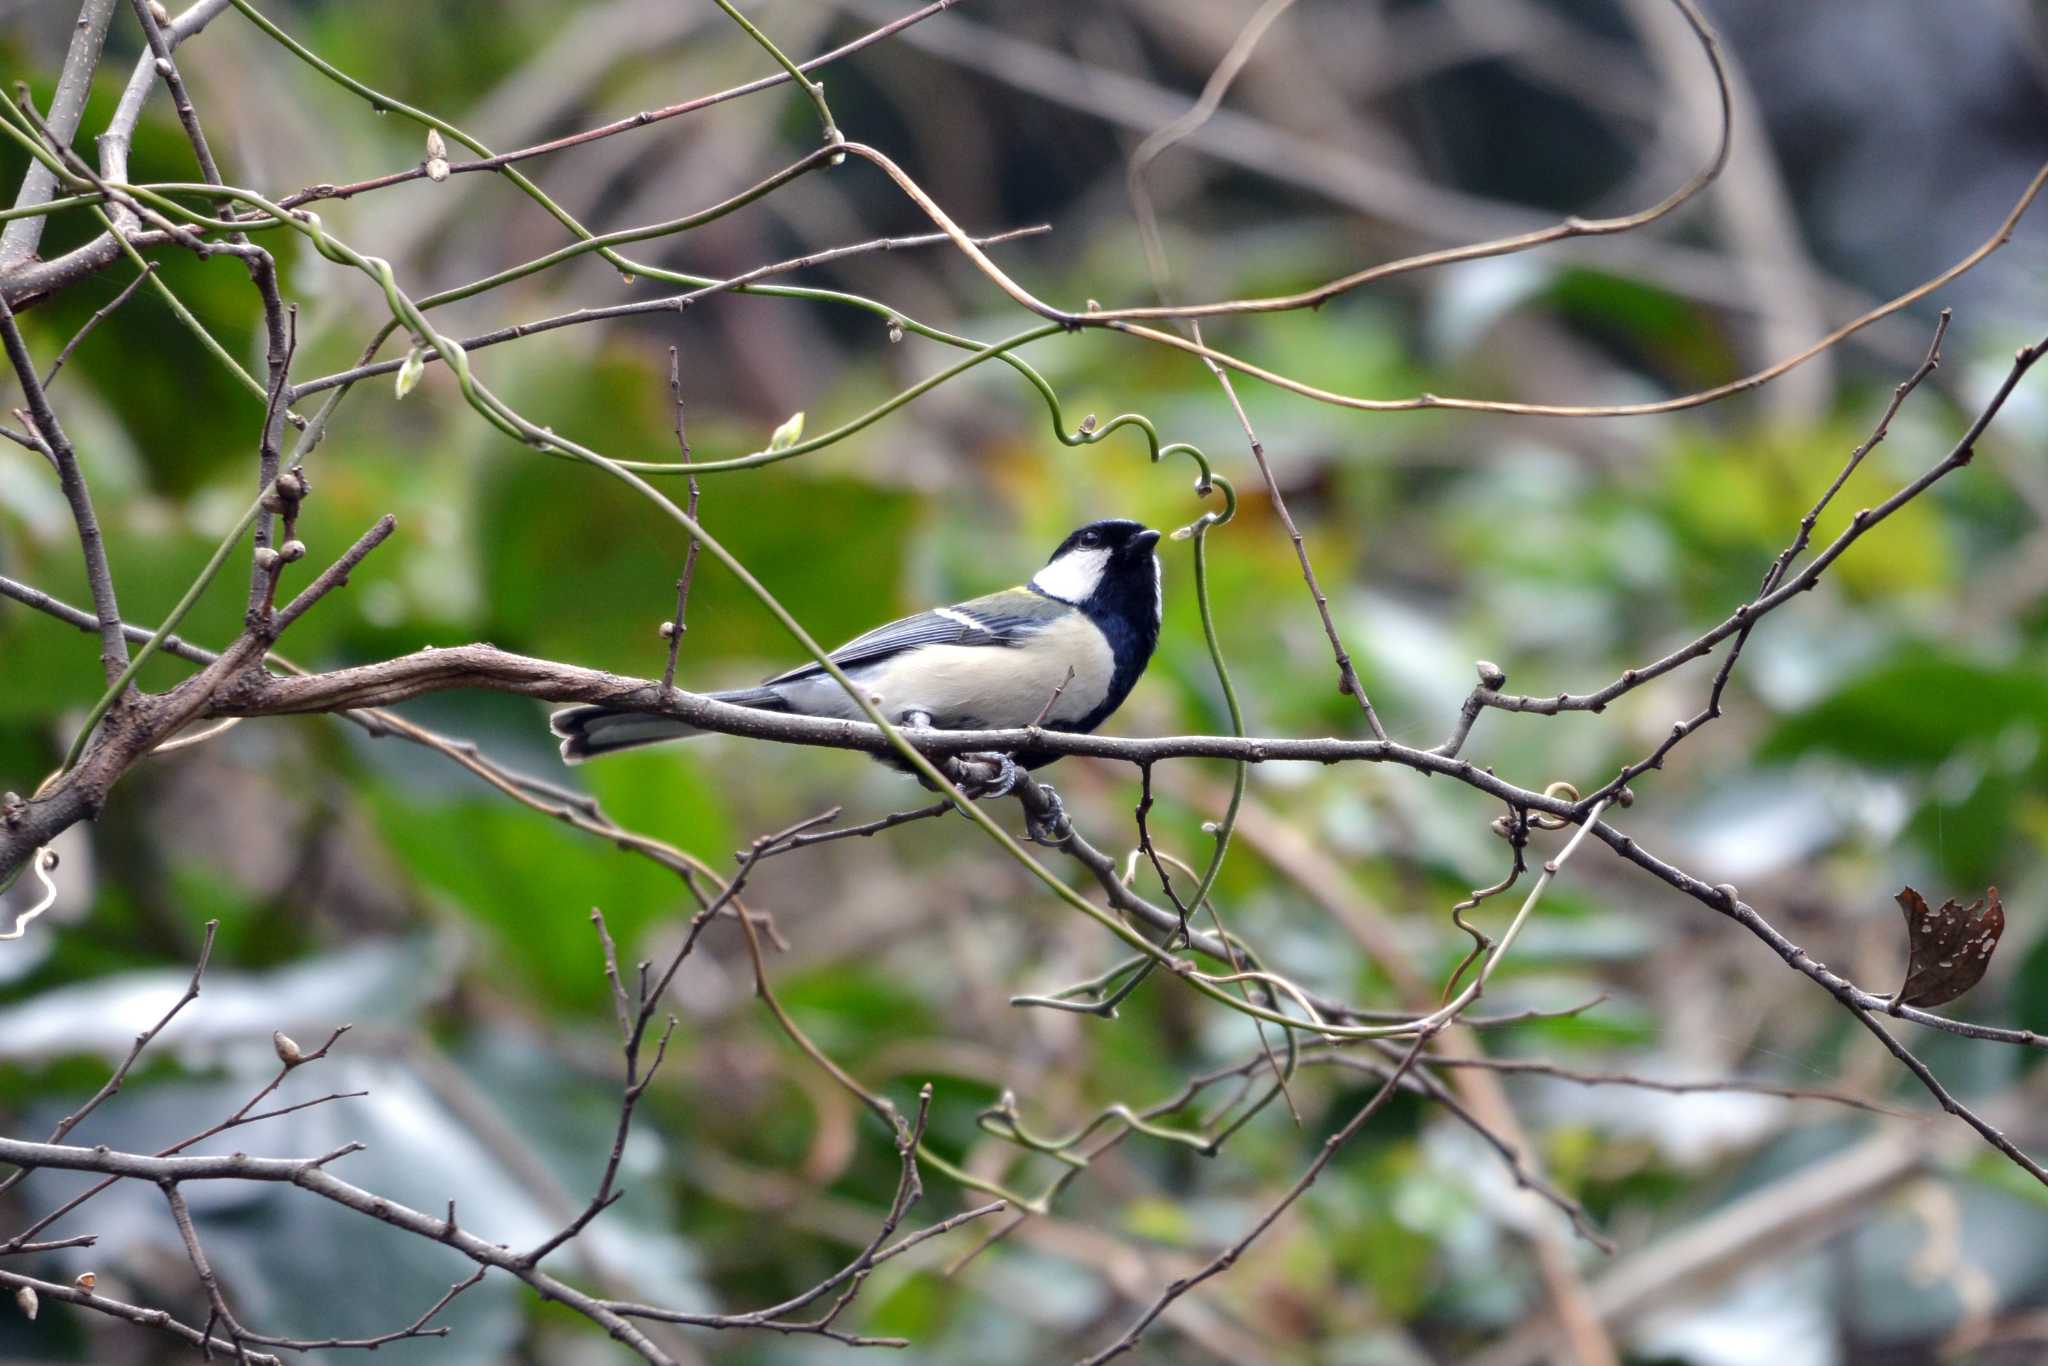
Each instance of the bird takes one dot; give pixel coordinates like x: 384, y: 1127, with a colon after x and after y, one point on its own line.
x: 1062, y: 651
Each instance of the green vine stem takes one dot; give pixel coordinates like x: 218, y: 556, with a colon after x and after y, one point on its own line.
x: 815, y: 89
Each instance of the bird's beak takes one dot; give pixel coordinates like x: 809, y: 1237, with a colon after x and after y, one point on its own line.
x: 1146, y: 539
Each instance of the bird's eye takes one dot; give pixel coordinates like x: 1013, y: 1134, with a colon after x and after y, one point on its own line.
x: 1090, y: 538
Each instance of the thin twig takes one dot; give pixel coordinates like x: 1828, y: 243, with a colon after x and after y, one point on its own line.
x: 143, y: 1040
x: 625, y: 125
x: 861, y: 831
x: 57, y: 447
x: 99, y: 316
x: 1226, y: 1259
x: 334, y: 576
x: 676, y: 626
x: 673, y: 303
x: 1775, y: 575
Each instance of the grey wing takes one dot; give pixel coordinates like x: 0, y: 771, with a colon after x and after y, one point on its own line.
x: 1003, y: 618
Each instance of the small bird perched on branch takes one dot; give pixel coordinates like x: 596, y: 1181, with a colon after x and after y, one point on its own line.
x: 1062, y: 651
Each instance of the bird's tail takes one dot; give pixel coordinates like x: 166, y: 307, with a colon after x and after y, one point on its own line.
x: 590, y: 731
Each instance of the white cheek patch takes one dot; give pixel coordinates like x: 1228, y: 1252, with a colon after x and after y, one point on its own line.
x: 1073, y: 576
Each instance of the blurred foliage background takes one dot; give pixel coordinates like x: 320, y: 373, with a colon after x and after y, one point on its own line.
x: 1888, y: 729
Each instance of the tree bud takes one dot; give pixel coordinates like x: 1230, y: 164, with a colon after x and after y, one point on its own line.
x: 437, y: 156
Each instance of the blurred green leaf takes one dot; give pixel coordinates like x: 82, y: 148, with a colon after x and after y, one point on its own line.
x: 531, y: 884
x: 1915, y: 711
x: 1159, y: 1221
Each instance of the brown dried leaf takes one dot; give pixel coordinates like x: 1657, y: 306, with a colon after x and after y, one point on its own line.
x: 1949, y: 948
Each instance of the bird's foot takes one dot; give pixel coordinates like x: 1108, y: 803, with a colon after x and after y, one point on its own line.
x: 987, y: 776
x: 1045, y: 817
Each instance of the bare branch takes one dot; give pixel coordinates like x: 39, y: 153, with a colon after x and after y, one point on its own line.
x: 640, y: 120
x: 166, y: 67
x: 98, y: 317
x: 49, y: 434
x: 311, y: 1174
x: 67, y: 106
x: 674, y: 303
x: 132, y: 1313
x: 142, y: 1041
x: 1745, y: 616
x: 1226, y: 1259
x: 335, y: 575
